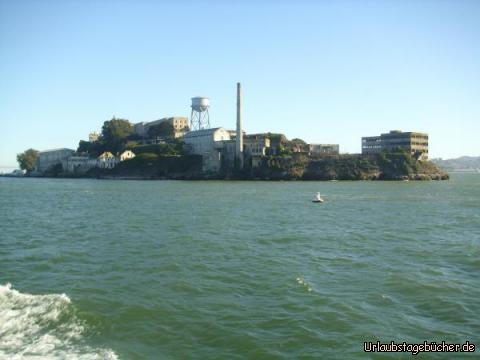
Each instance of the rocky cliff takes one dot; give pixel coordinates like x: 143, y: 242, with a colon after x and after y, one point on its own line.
x: 385, y: 166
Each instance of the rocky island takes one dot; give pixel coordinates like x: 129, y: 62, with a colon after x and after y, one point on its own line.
x: 173, y: 148
x: 385, y: 166
x: 172, y: 161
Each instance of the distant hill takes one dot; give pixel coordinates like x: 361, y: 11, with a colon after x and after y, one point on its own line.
x: 464, y: 164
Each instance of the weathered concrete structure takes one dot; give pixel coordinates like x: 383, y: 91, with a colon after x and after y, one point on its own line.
x: 414, y: 143
x: 256, y: 144
x: 209, y: 144
x: 78, y: 164
x: 323, y: 149
x: 179, y: 123
x: 49, y: 158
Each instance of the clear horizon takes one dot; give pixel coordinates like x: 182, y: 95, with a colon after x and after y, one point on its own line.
x: 326, y: 72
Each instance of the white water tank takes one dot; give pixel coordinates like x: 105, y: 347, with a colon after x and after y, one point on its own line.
x: 200, y: 103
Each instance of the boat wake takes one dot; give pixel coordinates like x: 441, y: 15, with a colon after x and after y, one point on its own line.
x: 42, y: 326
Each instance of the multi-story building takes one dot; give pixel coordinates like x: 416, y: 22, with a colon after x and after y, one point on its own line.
x: 413, y: 142
x: 48, y: 158
x: 256, y: 144
x: 323, y: 149
x: 179, y: 123
x: 371, y: 144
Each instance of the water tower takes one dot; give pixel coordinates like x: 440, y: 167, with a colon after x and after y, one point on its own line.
x: 200, y: 118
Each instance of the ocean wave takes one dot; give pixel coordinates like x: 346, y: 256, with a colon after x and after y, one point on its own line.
x: 42, y: 327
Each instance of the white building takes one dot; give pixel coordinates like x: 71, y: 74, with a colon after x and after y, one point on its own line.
x: 81, y: 164
x: 208, y: 143
x: 205, y: 140
x: 48, y: 158
x: 106, y: 160
x: 126, y: 155
x: 77, y: 164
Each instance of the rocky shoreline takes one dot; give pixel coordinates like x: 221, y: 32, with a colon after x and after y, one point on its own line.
x: 296, y: 167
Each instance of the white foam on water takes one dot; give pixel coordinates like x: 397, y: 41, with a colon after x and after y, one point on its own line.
x: 42, y: 327
x: 301, y: 280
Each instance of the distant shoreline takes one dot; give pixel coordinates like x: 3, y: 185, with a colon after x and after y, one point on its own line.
x: 466, y: 171
x: 392, y: 166
x: 420, y: 178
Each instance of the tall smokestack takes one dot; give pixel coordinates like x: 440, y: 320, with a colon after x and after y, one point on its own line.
x: 239, y: 141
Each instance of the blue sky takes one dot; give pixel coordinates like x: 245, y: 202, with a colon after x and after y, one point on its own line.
x: 324, y: 71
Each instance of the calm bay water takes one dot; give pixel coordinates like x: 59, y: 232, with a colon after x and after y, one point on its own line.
x: 234, y: 270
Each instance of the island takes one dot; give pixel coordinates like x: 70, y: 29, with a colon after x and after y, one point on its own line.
x: 174, y: 148
x: 172, y: 158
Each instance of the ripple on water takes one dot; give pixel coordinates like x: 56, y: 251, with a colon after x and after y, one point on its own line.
x: 165, y: 269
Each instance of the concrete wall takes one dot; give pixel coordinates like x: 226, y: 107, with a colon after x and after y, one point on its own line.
x: 255, y: 145
x: 327, y: 149
x: 49, y: 158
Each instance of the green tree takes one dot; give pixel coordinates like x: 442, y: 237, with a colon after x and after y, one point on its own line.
x: 115, y: 133
x: 92, y: 148
x: 297, y: 144
x: 27, y: 159
x: 277, y: 142
x: 164, y: 129
x: 175, y: 149
x: 298, y: 141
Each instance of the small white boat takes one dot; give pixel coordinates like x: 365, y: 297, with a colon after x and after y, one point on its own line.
x: 317, y: 198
